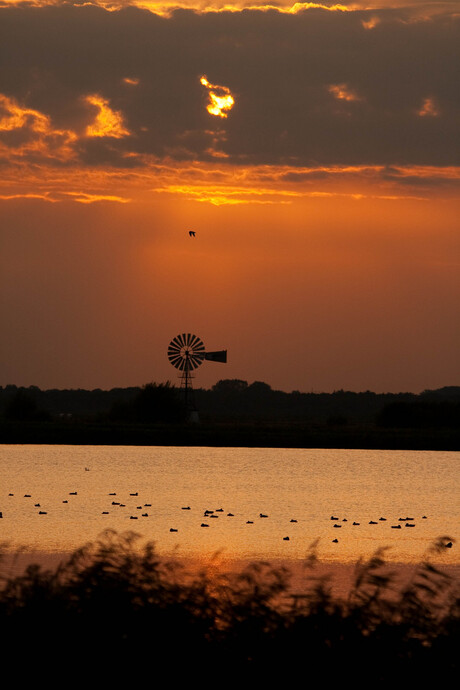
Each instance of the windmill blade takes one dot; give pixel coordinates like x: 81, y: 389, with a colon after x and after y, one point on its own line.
x: 196, y: 359
x: 219, y: 356
x: 186, y: 352
x: 196, y: 343
x: 176, y: 341
x: 176, y: 361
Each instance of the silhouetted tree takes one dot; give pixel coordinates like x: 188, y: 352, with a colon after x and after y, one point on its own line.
x: 154, y: 403
x: 23, y: 407
x: 259, y: 388
x: 230, y: 386
x: 234, y: 399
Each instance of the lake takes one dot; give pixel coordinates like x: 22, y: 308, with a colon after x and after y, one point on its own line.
x: 56, y: 498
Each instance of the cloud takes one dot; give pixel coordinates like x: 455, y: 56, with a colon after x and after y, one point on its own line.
x: 343, y: 92
x: 304, y: 88
x: 107, y: 122
x: 41, y: 197
x: 370, y: 23
x: 219, y: 182
x: 168, y: 7
x: 428, y: 109
x: 26, y: 132
x: 131, y: 81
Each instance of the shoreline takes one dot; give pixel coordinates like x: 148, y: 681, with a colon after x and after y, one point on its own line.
x: 232, y: 434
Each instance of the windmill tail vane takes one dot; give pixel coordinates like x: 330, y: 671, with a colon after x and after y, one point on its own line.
x: 220, y: 356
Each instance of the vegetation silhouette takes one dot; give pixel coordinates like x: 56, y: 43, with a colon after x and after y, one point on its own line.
x: 153, y: 403
x: 420, y: 414
x: 233, y: 413
x: 22, y: 406
x: 115, y: 611
x: 235, y: 399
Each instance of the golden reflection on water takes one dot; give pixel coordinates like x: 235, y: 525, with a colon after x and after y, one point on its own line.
x: 64, y: 496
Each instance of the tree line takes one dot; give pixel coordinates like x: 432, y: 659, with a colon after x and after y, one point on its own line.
x: 232, y: 400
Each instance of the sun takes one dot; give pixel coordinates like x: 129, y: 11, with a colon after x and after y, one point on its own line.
x: 220, y: 98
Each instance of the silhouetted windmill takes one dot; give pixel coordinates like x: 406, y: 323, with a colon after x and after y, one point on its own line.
x: 186, y: 352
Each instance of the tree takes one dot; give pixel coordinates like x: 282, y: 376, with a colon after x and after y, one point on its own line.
x: 230, y: 386
x: 22, y: 407
x: 154, y: 403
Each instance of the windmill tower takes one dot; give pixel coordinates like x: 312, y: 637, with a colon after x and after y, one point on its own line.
x: 186, y: 352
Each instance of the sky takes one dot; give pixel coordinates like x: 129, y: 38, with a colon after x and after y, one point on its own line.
x: 314, y: 149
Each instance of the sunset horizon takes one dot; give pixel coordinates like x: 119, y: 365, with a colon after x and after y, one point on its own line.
x: 229, y: 359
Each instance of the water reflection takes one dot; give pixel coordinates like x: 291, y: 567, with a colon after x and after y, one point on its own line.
x: 54, y: 498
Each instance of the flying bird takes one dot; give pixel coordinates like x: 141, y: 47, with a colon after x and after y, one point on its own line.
x: 191, y: 233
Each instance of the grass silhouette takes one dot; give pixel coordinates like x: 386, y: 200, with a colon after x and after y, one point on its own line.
x: 115, y: 611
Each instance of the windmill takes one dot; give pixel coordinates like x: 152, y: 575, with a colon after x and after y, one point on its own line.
x: 186, y: 352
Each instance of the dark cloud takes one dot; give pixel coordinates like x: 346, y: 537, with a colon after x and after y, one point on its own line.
x: 426, y: 181
x: 279, y: 67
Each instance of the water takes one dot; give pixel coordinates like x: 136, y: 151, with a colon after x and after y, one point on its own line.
x: 308, y: 486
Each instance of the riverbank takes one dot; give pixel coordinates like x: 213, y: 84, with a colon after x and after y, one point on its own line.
x: 231, y: 434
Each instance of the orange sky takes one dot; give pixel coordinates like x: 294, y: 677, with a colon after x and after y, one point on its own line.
x: 313, y: 151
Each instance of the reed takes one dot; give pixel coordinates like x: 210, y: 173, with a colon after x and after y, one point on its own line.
x: 115, y: 611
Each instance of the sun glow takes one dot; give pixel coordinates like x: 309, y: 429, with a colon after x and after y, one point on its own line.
x: 227, y: 195
x: 220, y: 98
